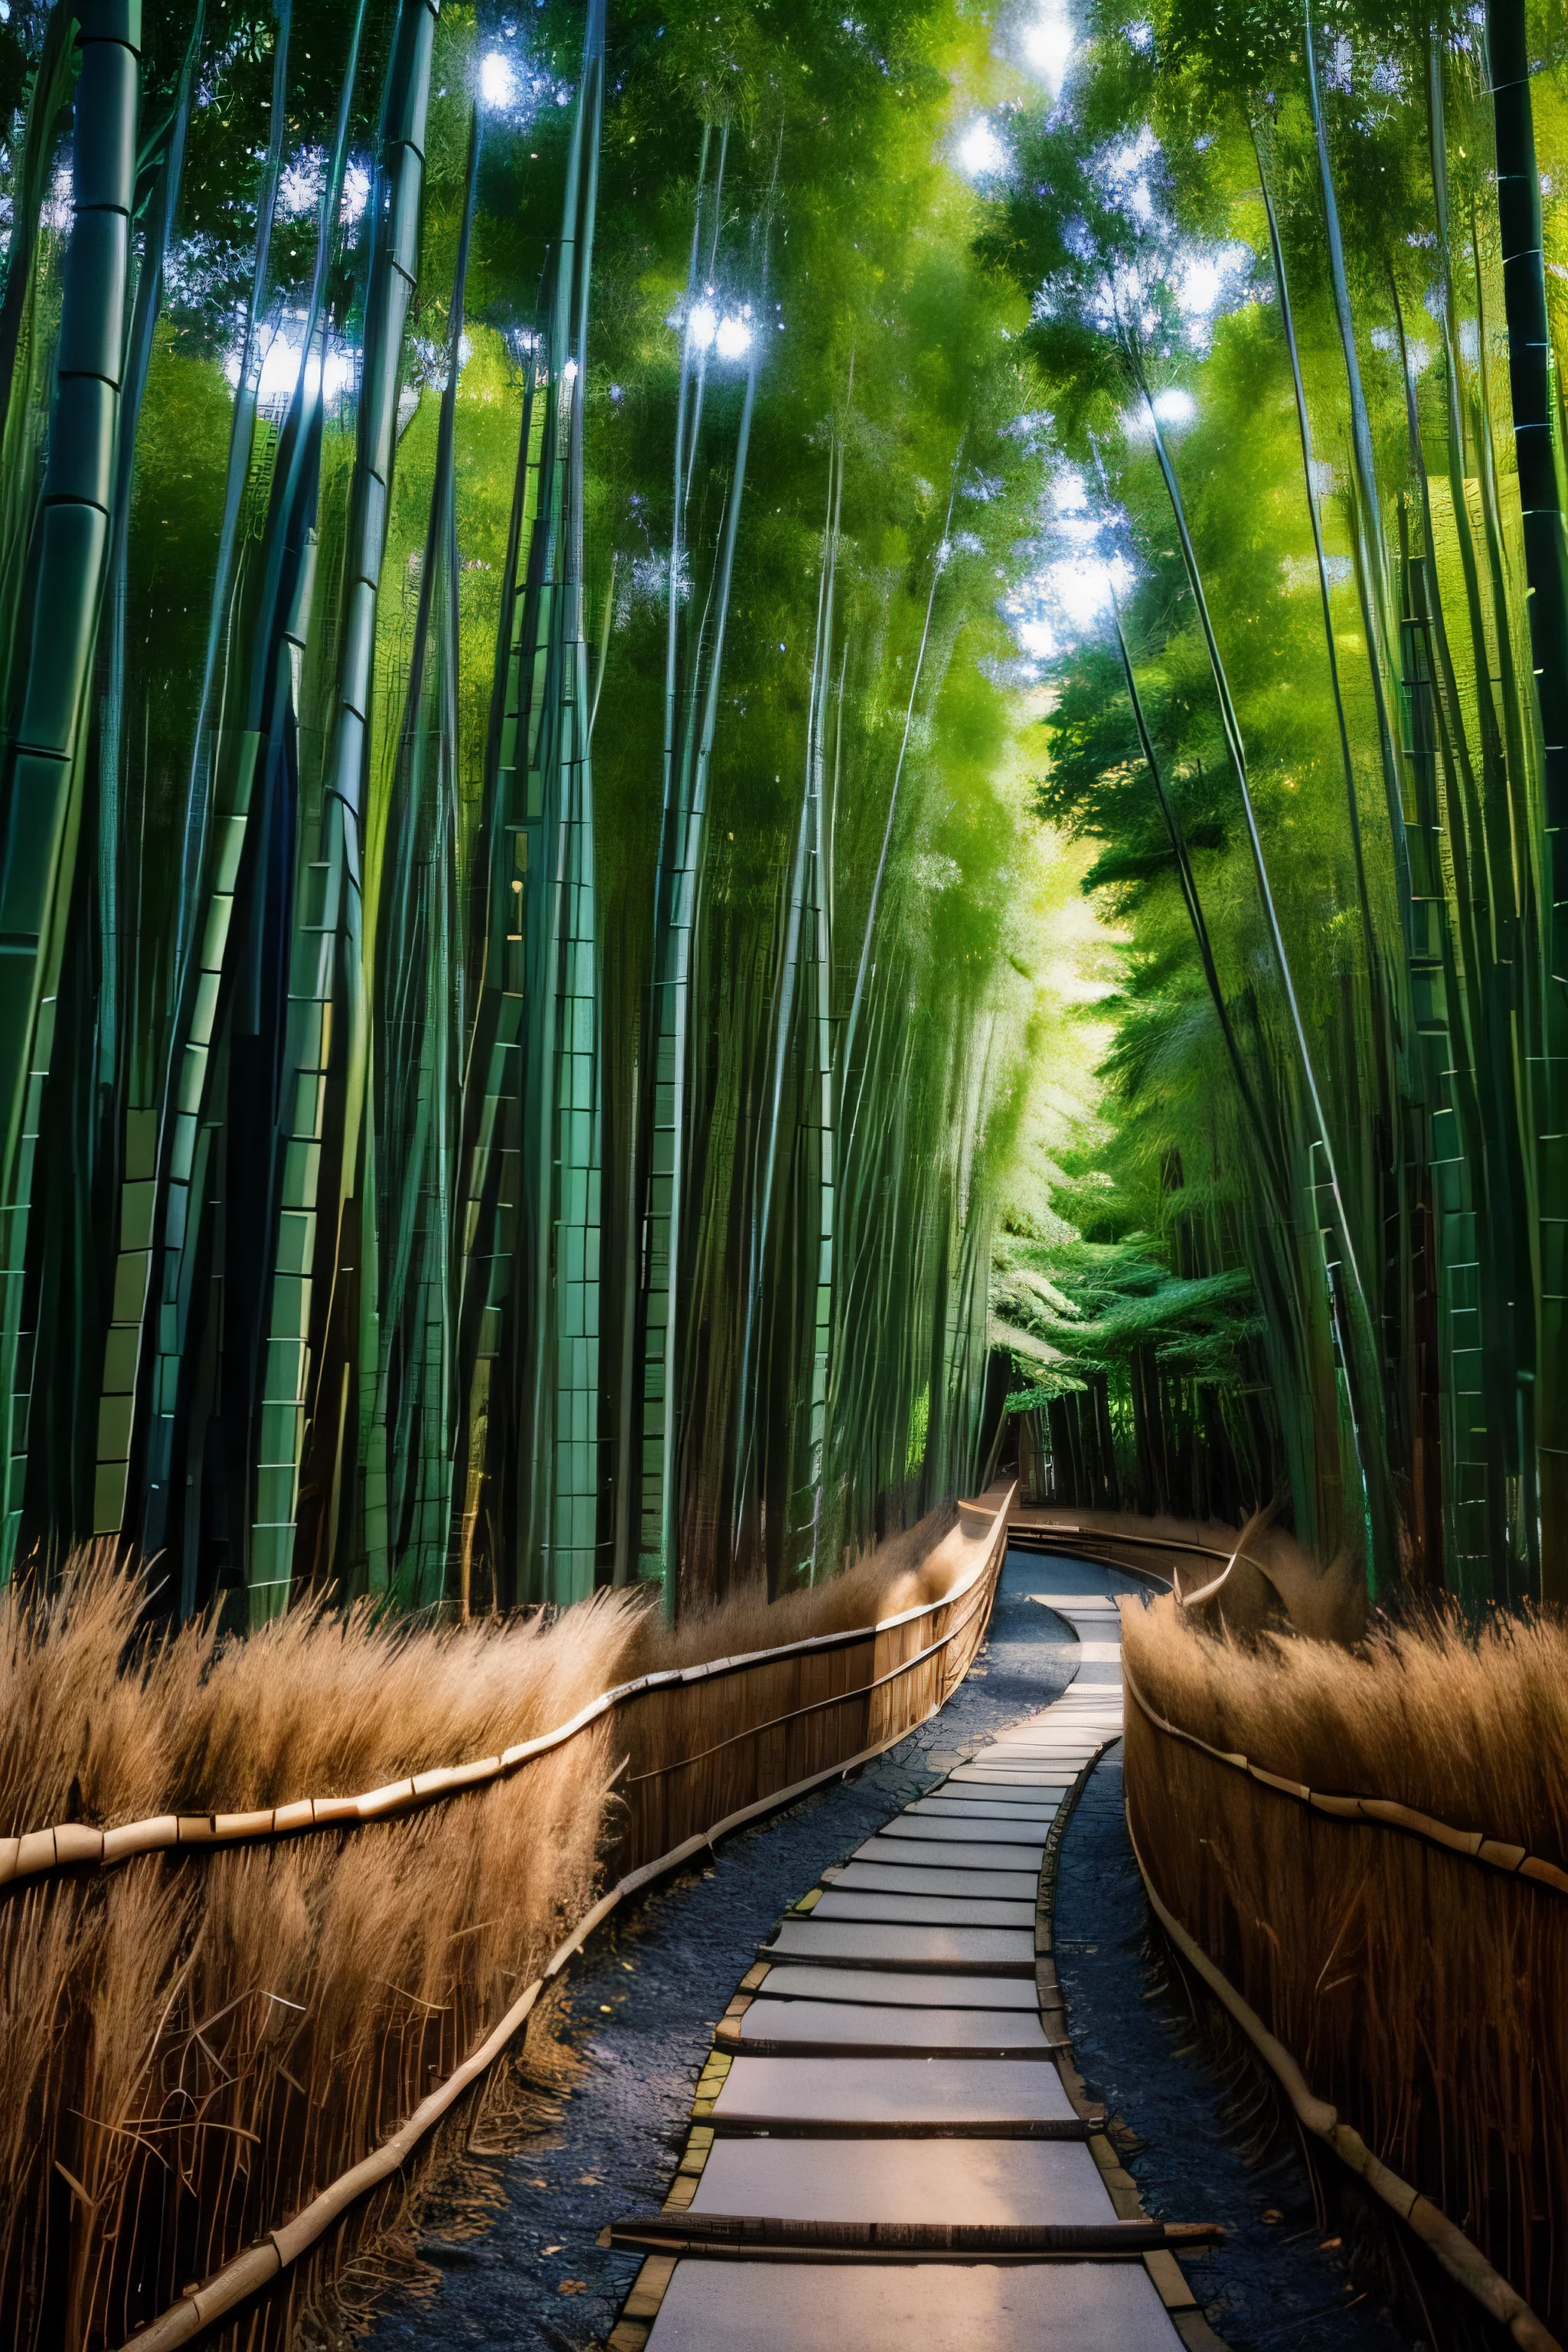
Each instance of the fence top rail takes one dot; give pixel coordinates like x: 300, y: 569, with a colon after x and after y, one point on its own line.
x: 78, y: 1845
x: 1382, y: 1812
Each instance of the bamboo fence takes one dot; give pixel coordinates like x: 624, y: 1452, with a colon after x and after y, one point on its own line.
x: 1409, y: 1970
x: 701, y: 1751
x: 701, y: 1741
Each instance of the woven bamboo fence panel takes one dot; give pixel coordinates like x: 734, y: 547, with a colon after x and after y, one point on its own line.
x: 1419, y: 1991
x: 253, y: 2087
x: 718, y: 1738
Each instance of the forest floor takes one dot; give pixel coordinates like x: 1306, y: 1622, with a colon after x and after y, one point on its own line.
x: 509, y: 2259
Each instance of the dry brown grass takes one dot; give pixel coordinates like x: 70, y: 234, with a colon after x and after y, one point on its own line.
x: 1420, y: 1991
x: 192, y: 2047
x: 94, y: 1726
x: 1470, y: 1727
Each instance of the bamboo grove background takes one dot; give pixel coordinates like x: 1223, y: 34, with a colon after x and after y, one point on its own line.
x: 543, y: 1036
x: 1296, y: 278
x: 517, y: 879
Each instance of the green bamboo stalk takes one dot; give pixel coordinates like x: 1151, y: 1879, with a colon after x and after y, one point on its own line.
x: 415, y: 1048
x: 534, y: 818
x: 50, y: 92
x: 671, y: 1144
x: 564, y: 1123
x: 1386, y: 1171
x: 863, y: 969
x: 649, y: 1402
x: 1457, y: 1149
x: 67, y: 594
x: 116, y: 1057
x: 1362, y: 1366
x: 1371, y: 948
x: 1537, y: 455
x: 761, y: 1224
x: 326, y: 1049
x: 1368, y: 543
x: 241, y: 454
x: 1500, y: 1144
x: 820, y: 1105
x: 1529, y: 389
x: 494, y: 1077
x: 253, y: 727
x: 81, y: 1109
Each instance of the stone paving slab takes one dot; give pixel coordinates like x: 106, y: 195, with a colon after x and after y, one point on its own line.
x: 1029, y: 1778
x: 989, y: 1950
x: 1083, y: 1721
x: 971, y: 1802
x: 900, y: 2029
x: 983, y: 1805
x: 1020, y: 1824
x: 959, y: 1845
x: 887, y: 1878
x: 1036, y: 1742
x: 903, y: 2179
x: 855, y: 1987
x: 1070, y: 1741
x: 1077, y: 1604
x: 920, y: 1910
x: 995, y: 1845
x: 919, y: 2092
x: 942, y: 2307
x: 1042, y: 1782
x: 1095, y: 1653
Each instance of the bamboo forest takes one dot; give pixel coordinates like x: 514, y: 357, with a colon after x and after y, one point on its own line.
x: 783, y: 1066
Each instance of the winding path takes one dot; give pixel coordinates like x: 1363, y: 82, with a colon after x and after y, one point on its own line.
x: 889, y: 2145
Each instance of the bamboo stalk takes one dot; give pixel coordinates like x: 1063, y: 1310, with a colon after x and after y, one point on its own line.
x: 250, y: 745
x: 1362, y: 1367
x: 121, y: 1342
x: 561, y: 1126
x: 326, y: 1047
x: 67, y: 585
x: 677, y: 883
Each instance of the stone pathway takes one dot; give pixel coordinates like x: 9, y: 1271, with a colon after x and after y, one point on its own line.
x: 890, y: 2146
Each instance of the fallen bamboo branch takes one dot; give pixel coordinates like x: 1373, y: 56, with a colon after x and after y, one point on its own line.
x: 1463, y: 2259
x: 739, y: 2234
x: 1469, y: 1845
x: 77, y: 1846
